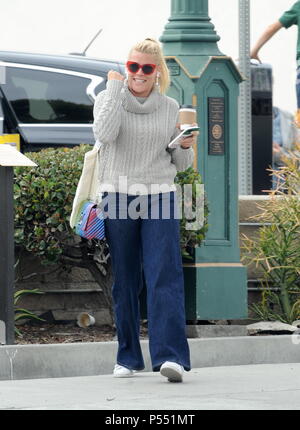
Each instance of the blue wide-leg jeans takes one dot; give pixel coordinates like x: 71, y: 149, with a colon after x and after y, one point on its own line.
x: 147, y: 240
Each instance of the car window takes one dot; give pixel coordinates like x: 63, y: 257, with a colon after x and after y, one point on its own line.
x: 100, y: 87
x: 48, y: 97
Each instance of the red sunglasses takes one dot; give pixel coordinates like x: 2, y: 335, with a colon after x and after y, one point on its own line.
x: 134, y: 67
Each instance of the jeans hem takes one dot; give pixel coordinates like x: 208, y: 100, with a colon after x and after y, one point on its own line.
x: 131, y: 368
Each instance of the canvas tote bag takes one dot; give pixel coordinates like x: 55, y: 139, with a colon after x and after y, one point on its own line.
x: 86, y: 195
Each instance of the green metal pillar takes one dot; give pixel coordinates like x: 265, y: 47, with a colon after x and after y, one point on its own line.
x: 216, y: 281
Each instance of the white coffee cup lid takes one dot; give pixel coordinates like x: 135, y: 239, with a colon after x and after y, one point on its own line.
x: 184, y: 126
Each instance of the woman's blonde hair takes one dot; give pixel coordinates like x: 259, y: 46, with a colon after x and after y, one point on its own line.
x: 152, y: 46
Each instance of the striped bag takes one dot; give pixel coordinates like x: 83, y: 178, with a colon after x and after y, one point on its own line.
x: 90, y: 224
x: 86, y: 218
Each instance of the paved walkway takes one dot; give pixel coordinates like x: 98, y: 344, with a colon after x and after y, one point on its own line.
x: 258, y: 386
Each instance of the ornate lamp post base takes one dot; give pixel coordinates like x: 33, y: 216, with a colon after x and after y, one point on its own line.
x: 216, y: 281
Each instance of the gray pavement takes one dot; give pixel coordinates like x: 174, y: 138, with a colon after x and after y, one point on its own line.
x: 242, y: 372
x: 248, y: 387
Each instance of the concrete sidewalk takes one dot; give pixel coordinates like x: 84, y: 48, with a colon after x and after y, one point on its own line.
x: 260, y: 372
x: 97, y: 358
x: 256, y: 387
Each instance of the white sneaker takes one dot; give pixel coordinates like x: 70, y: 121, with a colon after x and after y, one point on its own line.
x: 172, y: 371
x: 122, y: 372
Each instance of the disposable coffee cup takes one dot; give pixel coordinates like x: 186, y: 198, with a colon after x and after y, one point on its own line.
x: 187, y: 116
x: 84, y: 320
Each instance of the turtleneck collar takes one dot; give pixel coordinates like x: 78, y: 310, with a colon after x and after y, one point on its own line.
x: 131, y: 104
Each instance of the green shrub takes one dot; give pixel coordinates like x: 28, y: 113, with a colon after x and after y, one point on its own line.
x: 192, y: 237
x: 43, y: 200
x: 277, y: 249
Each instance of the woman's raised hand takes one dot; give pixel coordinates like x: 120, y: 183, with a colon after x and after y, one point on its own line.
x: 112, y: 74
x: 187, y: 142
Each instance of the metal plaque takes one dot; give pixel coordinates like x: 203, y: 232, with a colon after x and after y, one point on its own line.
x: 216, y: 122
x: 174, y: 69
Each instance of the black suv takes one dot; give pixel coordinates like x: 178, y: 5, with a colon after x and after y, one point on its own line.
x: 48, y: 99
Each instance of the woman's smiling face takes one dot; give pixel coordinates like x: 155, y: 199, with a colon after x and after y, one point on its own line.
x: 140, y: 84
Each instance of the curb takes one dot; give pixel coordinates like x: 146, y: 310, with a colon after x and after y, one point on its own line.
x: 98, y: 358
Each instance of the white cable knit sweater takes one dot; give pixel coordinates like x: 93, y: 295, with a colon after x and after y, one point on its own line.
x: 135, y: 137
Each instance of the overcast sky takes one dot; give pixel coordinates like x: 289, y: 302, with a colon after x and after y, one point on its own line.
x: 63, y: 26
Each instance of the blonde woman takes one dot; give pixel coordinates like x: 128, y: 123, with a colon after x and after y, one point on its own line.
x: 135, y: 121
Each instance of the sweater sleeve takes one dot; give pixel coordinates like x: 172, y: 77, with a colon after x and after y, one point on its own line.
x: 181, y: 157
x: 107, y: 112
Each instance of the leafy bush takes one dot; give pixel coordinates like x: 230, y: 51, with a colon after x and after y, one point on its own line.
x: 43, y: 204
x: 192, y: 232
x: 277, y: 249
x: 44, y: 197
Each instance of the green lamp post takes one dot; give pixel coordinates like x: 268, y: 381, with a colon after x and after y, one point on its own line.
x: 216, y: 281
